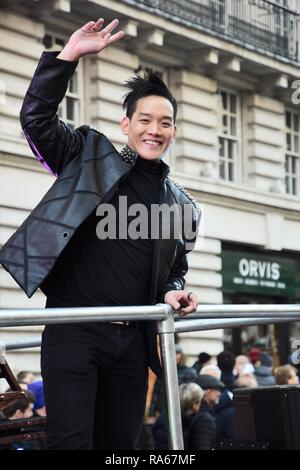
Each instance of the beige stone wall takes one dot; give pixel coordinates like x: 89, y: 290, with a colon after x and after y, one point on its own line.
x: 105, y: 76
x: 196, y: 147
x: 22, y: 182
x: 204, y: 276
x: 265, y: 141
x: 205, y: 279
x: 20, y: 48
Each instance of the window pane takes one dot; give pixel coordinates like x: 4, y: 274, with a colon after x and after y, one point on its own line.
x: 221, y: 147
x: 230, y: 171
x: 233, y: 126
x: 222, y: 169
x: 296, y: 143
x: 294, y: 166
x: 231, y: 149
x: 225, y: 123
x: 296, y: 122
x: 73, y: 84
x: 224, y: 99
x: 287, y: 186
x: 286, y: 164
x: 294, y: 186
x: 288, y: 142
x: 232, y: 103
x: 288, y: 119
x: 70, y: 108
x: 76, y: 110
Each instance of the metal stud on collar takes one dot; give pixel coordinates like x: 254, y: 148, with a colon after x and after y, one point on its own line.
x: 129, y: 156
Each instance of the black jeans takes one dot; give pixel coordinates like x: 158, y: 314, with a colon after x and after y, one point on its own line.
x: 95, y: 384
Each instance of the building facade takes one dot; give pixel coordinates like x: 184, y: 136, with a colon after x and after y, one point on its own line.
x: 234, y: 67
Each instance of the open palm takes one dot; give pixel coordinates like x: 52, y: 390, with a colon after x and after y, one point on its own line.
x: 90, y: 39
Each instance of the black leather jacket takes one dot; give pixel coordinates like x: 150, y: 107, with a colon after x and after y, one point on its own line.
x: 89, y: 170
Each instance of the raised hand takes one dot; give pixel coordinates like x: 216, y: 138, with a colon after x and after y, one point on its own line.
x: 90, y: 39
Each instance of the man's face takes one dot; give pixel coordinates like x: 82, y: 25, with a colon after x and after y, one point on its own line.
x: 151, y: 128
x: 212, y: 396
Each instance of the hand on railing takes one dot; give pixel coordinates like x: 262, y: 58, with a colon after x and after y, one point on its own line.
x: 182, y: 301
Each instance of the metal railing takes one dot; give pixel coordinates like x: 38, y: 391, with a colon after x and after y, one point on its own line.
x: 208, y: 317
x: 260, y: 24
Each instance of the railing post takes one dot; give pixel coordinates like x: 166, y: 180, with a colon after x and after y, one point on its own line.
x: 166, y: 329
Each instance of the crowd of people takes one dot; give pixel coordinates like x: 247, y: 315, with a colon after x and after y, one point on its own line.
x: 205, y: 391
x: 206, y: 395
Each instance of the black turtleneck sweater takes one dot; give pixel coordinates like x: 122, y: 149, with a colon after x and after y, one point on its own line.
x: 94, y: 272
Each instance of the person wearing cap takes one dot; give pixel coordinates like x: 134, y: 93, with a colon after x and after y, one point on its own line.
x: 254, y: 354
x: 212, y: 389
x: 198, y: 425
x: 226, y: 362
x: 199, y: 431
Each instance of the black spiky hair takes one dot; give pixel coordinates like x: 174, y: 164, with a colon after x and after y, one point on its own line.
x: 140, y: 87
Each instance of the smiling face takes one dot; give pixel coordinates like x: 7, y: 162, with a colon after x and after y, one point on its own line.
x: 151, y: 128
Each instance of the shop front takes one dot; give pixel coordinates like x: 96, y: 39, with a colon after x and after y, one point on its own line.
x: 253, y: 276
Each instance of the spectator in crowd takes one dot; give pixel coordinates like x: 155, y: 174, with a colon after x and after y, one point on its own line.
x: 226, y: 362
x: 211, y: 369
x: 264, y: 370
x: 38, y: 391
x: 243, y: 365
x: 25, y: 377
x: 246, y: 381
x: 286, y: 375
x: 254, y: 354
x: 203, y: 359
x: 185, y: 373
x: 198, y: 425
x: 212, y: 391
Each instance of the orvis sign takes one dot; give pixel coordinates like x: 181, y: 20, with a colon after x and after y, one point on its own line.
x: 260, y: 274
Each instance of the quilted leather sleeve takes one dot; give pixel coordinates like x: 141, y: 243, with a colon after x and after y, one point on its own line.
x: 52, y: 141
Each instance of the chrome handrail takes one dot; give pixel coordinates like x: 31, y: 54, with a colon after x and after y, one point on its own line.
x: 207, y: 317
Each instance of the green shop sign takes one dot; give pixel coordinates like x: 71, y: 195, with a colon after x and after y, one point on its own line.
x: 260, y: 274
